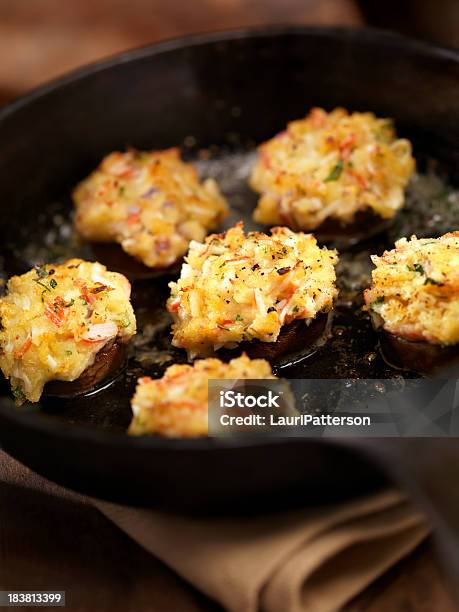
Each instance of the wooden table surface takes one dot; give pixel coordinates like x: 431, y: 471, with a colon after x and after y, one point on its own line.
x: 40, y: 39
x: 47, y: 542
x: 53, y: 540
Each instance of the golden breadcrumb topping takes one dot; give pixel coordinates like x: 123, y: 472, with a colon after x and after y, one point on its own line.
x: 176, y: 404
x: 237, y: 286
x: 331, y: 165
x: 415, y: 289
x: 152, y: 203
x: 56, y: 318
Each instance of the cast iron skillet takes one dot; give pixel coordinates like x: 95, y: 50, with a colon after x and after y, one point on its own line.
x: 230, y: 90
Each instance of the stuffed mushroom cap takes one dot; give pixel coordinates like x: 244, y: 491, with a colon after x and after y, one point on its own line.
x: 55, y: 319
x: 331, y: 167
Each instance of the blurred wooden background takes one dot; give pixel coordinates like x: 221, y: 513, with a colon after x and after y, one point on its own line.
x: 436, y: 21
x: 41, y: 39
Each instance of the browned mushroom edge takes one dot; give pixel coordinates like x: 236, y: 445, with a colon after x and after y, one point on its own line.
x: 418, y: 356
x: 415, y: 355
x: 295, y: 342
x: 364, y: 225
x: 112, y: 255
x: 108, y: 363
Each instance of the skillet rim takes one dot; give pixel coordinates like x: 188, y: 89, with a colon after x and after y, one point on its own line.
x: 374, y: 35
x: 73, y: 432
x: 41, y: 423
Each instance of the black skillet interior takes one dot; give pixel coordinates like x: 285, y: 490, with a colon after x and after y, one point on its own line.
x: 216, y: 96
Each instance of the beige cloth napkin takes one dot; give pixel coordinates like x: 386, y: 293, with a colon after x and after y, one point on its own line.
x: 309, y: 561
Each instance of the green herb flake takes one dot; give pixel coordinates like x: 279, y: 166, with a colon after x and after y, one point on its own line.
x: 45, y: 288
x: 431, y: 281
x: 41, y: 271
x: 238, y: 317
x: 52, y: 283
x: 68, y: 353
x: 336, y: 172
x: 378, y: 300
x: 416, y: 268
x: 39, y: 282
x: 18, y: 394
x: 387, y: 130
x: 123, y: 322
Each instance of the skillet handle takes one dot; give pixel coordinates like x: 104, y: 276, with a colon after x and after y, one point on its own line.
x: 428, y: 469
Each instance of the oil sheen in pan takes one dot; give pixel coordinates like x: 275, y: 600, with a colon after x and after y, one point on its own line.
x: 351, y: 352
